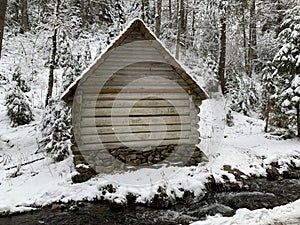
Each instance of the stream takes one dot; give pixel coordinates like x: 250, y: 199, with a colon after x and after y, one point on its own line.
x: 225, y: 199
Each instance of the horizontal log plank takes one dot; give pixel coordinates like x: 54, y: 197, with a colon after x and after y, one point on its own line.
x: 128, y: 137
x: 115, y: 111
x: 132, y: 57
x: 126, y: 121
x: 121, y: 52
x: 137, y: 144
x: 136, y: 80
x: 142, y: 66
x: 134, y: 96
x: 138, y: 103
x: 105, y: 90
x: 134, y: 129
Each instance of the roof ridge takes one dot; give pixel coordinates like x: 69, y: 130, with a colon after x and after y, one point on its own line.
x: 149, y: 35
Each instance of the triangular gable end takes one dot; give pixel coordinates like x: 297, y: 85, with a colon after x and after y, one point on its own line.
x: 130, y: 34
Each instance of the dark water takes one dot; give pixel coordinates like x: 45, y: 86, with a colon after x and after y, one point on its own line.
x: 220, y: 198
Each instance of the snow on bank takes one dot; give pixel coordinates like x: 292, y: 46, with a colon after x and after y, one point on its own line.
x: 44, y: 182
x: 287, y: 214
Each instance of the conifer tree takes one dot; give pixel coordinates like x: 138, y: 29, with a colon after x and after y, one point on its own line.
x: 268, y: 89
x: 72, y: 71
x: 20, y: 81
x: 18, y: 107
x: 287, y: 63
x: 56, y: 130
x: 64, y: 51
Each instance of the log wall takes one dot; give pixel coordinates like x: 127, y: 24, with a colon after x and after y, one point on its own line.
x: 133, y: 101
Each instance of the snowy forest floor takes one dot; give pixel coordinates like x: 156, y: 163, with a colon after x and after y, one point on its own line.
x: 244, y: 147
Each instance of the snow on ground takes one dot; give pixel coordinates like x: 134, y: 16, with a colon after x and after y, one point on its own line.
x: 44, y: 182
x: 287, y: 214
x: 243, y: 146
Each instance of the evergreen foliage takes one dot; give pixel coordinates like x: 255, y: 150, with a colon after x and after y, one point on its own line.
x: 72, y: 71
x: 20, y: 81
x: 74, y: 67
x: 56, y: 130
x: 287, y: 64
x: 268, y: 89
x: 241, y: 93
x: 82, y: 23
x: 64, y: 51
x: 18, y: 107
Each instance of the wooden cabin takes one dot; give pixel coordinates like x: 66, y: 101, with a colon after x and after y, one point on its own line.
x: 135, y: 105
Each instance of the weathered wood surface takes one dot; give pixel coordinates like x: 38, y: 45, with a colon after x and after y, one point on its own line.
x: 133, y: 96
x: 128, y: 137
x: 153, y: 111
x: 137, y: 144
x: 135, y: 80
x: 114, y: 108
x: 136, y: 103
x: 135, y: 90
x: 134, y: 129
x: 137, y: 120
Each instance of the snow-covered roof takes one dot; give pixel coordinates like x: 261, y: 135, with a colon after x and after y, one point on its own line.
x: 149, y: 35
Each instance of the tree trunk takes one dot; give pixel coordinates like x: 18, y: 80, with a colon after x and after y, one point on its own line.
x: 3, y: 4
x: 82, y: 12
x: 53, y: 56
x: 25, y: 21
x: 252, y: 38
x: 158, y: 18
x: 243, y: 7
x: 186, y: 38
x: 193, y: 22
x: 298, y: 119
x: 183, y: 16
x: 222, y: 54
x: 267, y: 114
x: 253, y: 28
x: 143, y: 10
x: 170, y: 13
x: 179, y: 10
x: 16, y: 8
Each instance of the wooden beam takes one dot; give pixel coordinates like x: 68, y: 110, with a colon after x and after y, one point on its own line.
x: 126, y: 121
x: 136, y: 103
x: 130, y: 137
x: 115, y: 111
x: 134, y: 129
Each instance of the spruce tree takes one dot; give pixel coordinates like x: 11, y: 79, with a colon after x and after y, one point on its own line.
x: 287, y: 63
x: 20, y: 81
x: 268, y: 89
x: 72, y: 71
x: 64, y: 50
x: 18, y: 107
x: 56, y: 130
x: 296, y: 100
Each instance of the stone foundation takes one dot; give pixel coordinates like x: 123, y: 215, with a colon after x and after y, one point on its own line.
x: 124, y: 158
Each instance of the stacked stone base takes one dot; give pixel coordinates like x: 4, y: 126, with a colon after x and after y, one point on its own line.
x: 125, y: 158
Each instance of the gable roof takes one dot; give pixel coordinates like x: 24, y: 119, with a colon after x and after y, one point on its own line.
x: 137, y: 25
